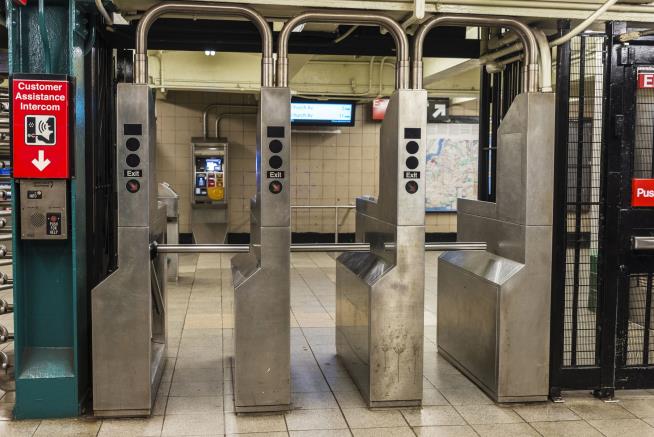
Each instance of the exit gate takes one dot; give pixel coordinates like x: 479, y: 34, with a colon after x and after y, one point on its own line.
x: 602, y: 311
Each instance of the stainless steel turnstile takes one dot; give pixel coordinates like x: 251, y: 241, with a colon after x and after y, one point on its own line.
x: 128, y: 308
x: 262, y: 282
x: 380, y: 294
x: 494, y: 305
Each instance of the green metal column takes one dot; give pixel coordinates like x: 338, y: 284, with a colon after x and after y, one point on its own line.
x: 50, y: 292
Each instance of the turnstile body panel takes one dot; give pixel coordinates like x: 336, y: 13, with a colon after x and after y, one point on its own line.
x: 262, y: 277
x: 128, y: 308
x: 494, y: 307
x: 380, y: 294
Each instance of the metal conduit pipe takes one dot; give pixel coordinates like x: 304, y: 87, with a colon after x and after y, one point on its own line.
x: 530, y: 45
x: 205, y: 114
x: 192, y: 9
x: 356, y: 18
x: 340, y: 247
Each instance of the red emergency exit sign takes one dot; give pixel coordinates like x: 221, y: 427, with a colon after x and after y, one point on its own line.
x: 645, y: 79
x: 40, y: 126
x: 642, y: 193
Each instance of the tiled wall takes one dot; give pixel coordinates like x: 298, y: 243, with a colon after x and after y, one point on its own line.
x: 327, y: 168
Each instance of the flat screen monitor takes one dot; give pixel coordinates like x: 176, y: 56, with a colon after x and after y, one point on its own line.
x: 322, y: 113
x: 214, y: 165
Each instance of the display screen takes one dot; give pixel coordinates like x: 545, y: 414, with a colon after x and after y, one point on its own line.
x: 214, y: 165
x: 319, y: 113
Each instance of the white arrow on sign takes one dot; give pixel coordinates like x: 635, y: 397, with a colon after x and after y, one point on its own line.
x: 439, y: 110
x: 41, y: 163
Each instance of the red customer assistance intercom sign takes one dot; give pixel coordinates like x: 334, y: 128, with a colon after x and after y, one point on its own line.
x: 40, y: 121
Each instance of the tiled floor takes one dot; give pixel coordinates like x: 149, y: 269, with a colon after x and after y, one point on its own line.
x: 195, y: 396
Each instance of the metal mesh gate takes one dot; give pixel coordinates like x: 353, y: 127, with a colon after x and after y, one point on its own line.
x: 639, y: 334
x: 583, y: 201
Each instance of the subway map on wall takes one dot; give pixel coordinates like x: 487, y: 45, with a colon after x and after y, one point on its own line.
x: 452, y: 150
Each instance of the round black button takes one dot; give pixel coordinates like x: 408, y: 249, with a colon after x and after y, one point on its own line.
x: 411, y: 187
x: 133, y: 185
x: 412, y: 162
x: 133, y: 160
x: 133, y: 144
x: 412, y: 147
x: 276, y: 146
x: 275, y: 187
x: 275, y: 162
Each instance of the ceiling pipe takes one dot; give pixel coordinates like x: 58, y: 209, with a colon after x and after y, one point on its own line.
x: 346, y: 17
x: 192, y: 9
x: 530, y: 45
x: 104, y: 13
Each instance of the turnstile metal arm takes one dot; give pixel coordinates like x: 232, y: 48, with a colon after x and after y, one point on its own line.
x: 6, y: 307
x: 342, y: 247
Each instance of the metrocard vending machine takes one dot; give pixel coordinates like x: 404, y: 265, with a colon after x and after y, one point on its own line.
x: 210, y: 186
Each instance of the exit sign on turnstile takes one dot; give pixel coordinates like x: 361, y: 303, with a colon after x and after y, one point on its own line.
x: 645, y: 78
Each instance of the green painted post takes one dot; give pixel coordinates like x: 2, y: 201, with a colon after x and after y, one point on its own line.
x: 50, y: 292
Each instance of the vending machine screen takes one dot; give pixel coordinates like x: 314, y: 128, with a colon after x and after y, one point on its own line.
x: 214, y: 165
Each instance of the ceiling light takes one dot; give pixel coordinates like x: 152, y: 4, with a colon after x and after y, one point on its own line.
x: 210, y: 52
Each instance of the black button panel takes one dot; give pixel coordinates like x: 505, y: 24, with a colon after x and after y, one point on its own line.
x: 412, y: 162
x: 412, y: 147
x: 133, y: 144
x: 276, y: 146
x: 275, y: 162
x: 133, y: 160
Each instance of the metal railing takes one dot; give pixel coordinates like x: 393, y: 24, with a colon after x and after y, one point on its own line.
x: 320, y: 247
x: 336, y: 208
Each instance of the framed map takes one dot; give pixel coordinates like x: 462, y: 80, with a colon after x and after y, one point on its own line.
x: 452, y: 150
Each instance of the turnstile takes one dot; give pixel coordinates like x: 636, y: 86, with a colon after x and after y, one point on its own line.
x: 128, y: 308
x: 262, y: 348
x: 494, y: 306
x: 380, y: 294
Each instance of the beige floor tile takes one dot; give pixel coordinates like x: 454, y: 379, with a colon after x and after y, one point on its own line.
x: 384, y: 432
x: 17, y: 428
x: 566, y: 429
x: 301, y: 420
x: 254, y: 423
x: 350, y: 399
x: 487, y: 414
x: 546, y: 412
x: 260, y: 434
x: 322, y: 433
x: 445, y: 431
x: 194, y: 404
x: 198, y: 375
x: 68, y: 427
x: 465, y: 396
x: 314, y: 401
x: 131, y: 427
x: 366, y: 418
x: 623, y: 427
x: 598, y: 410
x: 433, y: 397
x: 193, y: 424
x: 209, y: 388
x: 506, y: 430
x: 639, y: 407
x: 433, y: 416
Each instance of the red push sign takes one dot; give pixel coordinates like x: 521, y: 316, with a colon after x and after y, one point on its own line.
x: 642, y: 193
x: 40, y: 121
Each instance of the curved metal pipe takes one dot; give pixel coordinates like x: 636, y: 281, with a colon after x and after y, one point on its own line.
x: 356, y: 18
x: 527, y: 37
x: 192, y: 9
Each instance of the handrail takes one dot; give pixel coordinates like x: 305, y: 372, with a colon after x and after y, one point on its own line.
x: 344, y: 17
x: 337, y: 225
x: 191, y: 9
x: 320, y: 247
x: 529, y: 43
